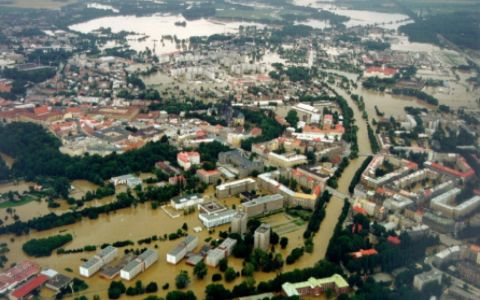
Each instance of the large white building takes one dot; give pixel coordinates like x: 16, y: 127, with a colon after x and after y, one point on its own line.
x: 262, y: 237
x: 286, y: 160
x: 129, y: 179
x: 94, y: 264
x: 235, y: 187
x: 444, y: 203
x: 175, y: 255
x: 182, y: 202
x: 223, y: 250
x: 139, y: 264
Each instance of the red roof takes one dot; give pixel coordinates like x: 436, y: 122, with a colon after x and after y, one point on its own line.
x: 204, y: 172
x: 29, y: 286
x: 359, y: 210
x: 385, y: 71
x: 394, y: 240
x: 41, y: 110
x: 362, y: 253
x: 18, y: 273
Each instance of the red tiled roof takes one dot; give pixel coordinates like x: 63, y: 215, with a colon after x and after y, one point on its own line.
x: 359, y: 210
x: 41, y: 110
x: 385, y: 71
x: 29, y: 286
x: 394, y: 240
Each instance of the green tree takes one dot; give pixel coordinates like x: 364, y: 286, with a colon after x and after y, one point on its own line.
x: 200, y: 270
x: 182, y: 280
x: 292, y: 118
x: 230, y: 274
x: 152, y: 287
x: 223, y: 264
x: 283, y: 242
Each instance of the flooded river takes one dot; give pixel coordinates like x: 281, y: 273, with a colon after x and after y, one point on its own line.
x: 155, y: 28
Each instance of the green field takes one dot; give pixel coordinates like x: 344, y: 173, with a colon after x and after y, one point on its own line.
x: 25, y: 199
x: 37, y: 4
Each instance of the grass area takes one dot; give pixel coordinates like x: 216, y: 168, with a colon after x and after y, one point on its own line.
x: 249, y: 15
x: 25, y: 199
x: 299, y: 213
x: 422, y: 7
x: 37, y: 4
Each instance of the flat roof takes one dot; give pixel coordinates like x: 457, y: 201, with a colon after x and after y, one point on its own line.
x: 29, y: 286
x: 291, y: 288
x: 263, y: 199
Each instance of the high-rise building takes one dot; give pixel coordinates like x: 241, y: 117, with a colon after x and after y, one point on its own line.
x: 239, y: 223
x: 262, y: 237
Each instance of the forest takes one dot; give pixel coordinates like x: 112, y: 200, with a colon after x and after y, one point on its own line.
x: 36, y: 154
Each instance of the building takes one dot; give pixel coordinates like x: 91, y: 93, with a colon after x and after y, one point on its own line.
x: 188, y: 159
x: 130, y: 180
x: 445, y: 204
x: 214, y: 256
x: 243, y: 166
x: 420, y: 280
x: 183, y: 202
x: 286, y: 160
x: 58, y: 282
x: 26, y: 289
x: 269, y: 182
x: 175, y: 255
x: 315, y: 287
x: 263, y: 205
x: 380, y: 72
x: 217, y: 219
x: 208, y: 176
x: 361, y: 253
x: 235, y: 187
x: 262, y: 237
x: 239, y: 223
x: 138, y: 265
x: 94, y: 264
x: 17, y: 274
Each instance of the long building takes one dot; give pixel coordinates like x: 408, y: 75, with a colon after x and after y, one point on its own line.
x: 261, y: 237
x: 94, y: 264
x: 444, y: 203
x: 235, y: 187
x: 182, y: 202
x: 316, y: 287
x: 214, y: 214
x: 263, y: 205
x: 138, y: 265
x: 175, y: 255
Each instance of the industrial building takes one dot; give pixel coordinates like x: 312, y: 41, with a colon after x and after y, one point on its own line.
x: 138, y: 265
x: 263, y: 205
x: 175, y: 255
x: 261, y: 237
x: 235, y: 187
x: 130, y: 180
x: 94, y: 264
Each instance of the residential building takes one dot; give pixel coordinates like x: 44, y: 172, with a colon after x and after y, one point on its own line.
x: 208, y: 176
x: 222, y: 251
x: 187, y: 159
x: 239, y: 223
x: 316, y: 287
x: 445, y: 204
x: 263, y: 205
x: 422, y: 279
x: 235, y: 187
x: 261, y: 237
x: 286, y: 160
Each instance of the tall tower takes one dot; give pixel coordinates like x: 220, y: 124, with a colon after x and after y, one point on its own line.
x: 261, y: 238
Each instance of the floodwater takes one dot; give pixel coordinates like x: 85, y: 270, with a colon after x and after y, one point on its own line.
x: 360, y: 17
x: 142, y: 221
x: 155, y: 28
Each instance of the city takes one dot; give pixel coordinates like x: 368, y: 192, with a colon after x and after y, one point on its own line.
x: 267, y: 149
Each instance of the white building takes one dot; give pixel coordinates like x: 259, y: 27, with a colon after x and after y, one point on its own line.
x: 420, y: 280
x: 262, y: 237
x: 94, y: 264
x: 182, y: 202
x: 175, y: 255
x: 214, y: 256
x: 285, y: 160
x: 138, y: 265
x: 217, y: 219
x: 188, y: 159
x: 129, y: 179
